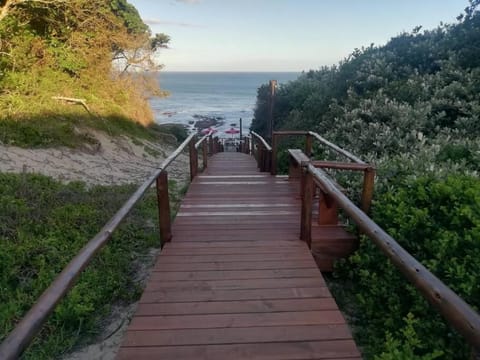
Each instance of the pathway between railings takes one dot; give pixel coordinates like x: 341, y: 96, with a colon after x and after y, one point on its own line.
x: 236, y: 282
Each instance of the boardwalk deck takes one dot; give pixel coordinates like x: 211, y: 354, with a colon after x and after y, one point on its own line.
x: 236, y: 282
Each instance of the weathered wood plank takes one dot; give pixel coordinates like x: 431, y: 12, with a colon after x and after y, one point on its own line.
x: 237, y: 335
x: 228, y: 295
x: 259, y: 351
x: 166, y: 322
x: 237, y: 306
x: 234, y: 275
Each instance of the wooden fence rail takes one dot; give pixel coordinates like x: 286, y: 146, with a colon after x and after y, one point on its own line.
x: 263, y: 152
x: 357, y: 164
x: 453, y: 308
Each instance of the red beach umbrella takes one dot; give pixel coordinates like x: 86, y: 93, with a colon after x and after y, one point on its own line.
x: 232, y: 131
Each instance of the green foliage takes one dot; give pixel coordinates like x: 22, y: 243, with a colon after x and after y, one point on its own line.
x: 43, y: 224
x: 130, y: 16
x: 438, y: 222
x: 65, y: 48
x: 177, y: 130
x: 406, y: 350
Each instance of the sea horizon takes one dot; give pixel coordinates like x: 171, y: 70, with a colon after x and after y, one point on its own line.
x: 224, y: 95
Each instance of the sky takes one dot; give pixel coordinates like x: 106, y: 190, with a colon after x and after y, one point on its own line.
x: 282, y: 35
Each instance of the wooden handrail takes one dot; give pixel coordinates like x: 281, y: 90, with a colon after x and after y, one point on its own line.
x: 308, y: 146
x: 336, y: 148
x: 292, y: 132
x: 263, y: 154
x: 262, y: 140
x: 341, y: 166
x: 199, y: 142
x: 23, y: 333
x: 454, y: 309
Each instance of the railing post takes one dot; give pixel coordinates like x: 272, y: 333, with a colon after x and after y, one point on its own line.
x: 306, y: 216
x: 268, y: 160
x: 294, y: 169
x: 210, y: 144
x: 205, y: 155
x: 273, y: 160
x: 308, y: 145
x: 163, y: 201
x: 261, y: 155
x: 193, y: 158
x: 368, y: 186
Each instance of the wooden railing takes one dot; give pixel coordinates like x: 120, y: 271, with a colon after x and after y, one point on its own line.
x: 23, y: 333
x: 262, y: 152
x: 452, y: 307
x: 356, y: 165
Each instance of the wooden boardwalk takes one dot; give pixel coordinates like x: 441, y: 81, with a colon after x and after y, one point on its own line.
x: 236, y: 282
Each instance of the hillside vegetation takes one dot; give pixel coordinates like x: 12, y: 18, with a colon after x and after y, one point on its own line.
x: 84, y: 50
x: 412, y: 108
x: 43, y: 225
x: 77, y: 49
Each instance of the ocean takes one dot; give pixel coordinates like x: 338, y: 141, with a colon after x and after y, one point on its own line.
x: 221, y: 95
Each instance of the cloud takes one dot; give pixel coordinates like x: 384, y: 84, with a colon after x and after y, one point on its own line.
x: 171, y: 23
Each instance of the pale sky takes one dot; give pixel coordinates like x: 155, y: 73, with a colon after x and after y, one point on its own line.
x: 282, y: 35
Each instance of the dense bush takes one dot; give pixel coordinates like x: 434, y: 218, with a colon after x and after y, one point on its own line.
x: 438, y: 222
x: 43, y: 224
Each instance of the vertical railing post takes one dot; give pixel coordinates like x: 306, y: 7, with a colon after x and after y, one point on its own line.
x: 262, y: 152
x: 306, y: 215
x: 268, y: 160
x: 163, y: 202
x: 193, y: 158
x: 308, y: 145
x: 273, y: 160
x: 367, y: 191
x: 210, y: 144
x: 205, y: 154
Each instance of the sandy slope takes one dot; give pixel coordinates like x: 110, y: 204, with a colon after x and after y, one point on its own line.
x: 114, y: 161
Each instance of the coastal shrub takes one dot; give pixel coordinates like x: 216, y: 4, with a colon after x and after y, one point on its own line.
x: 59, y: 49
x: 43, y: 224
x: 437, y: 220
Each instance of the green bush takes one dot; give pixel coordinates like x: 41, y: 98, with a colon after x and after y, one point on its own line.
x: 438, y: 222
x: 43, y: 224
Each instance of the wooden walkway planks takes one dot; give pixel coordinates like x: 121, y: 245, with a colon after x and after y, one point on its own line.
x: 236, y: 282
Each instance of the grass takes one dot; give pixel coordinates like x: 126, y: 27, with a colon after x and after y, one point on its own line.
x: 43, y: 224
x: 72, y: 129
x: 30, y: 117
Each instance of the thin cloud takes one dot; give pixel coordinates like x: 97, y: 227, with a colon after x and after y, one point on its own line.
x: 171, y: 23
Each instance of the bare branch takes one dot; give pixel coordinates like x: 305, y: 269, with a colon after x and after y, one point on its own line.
x: 82, y: 102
